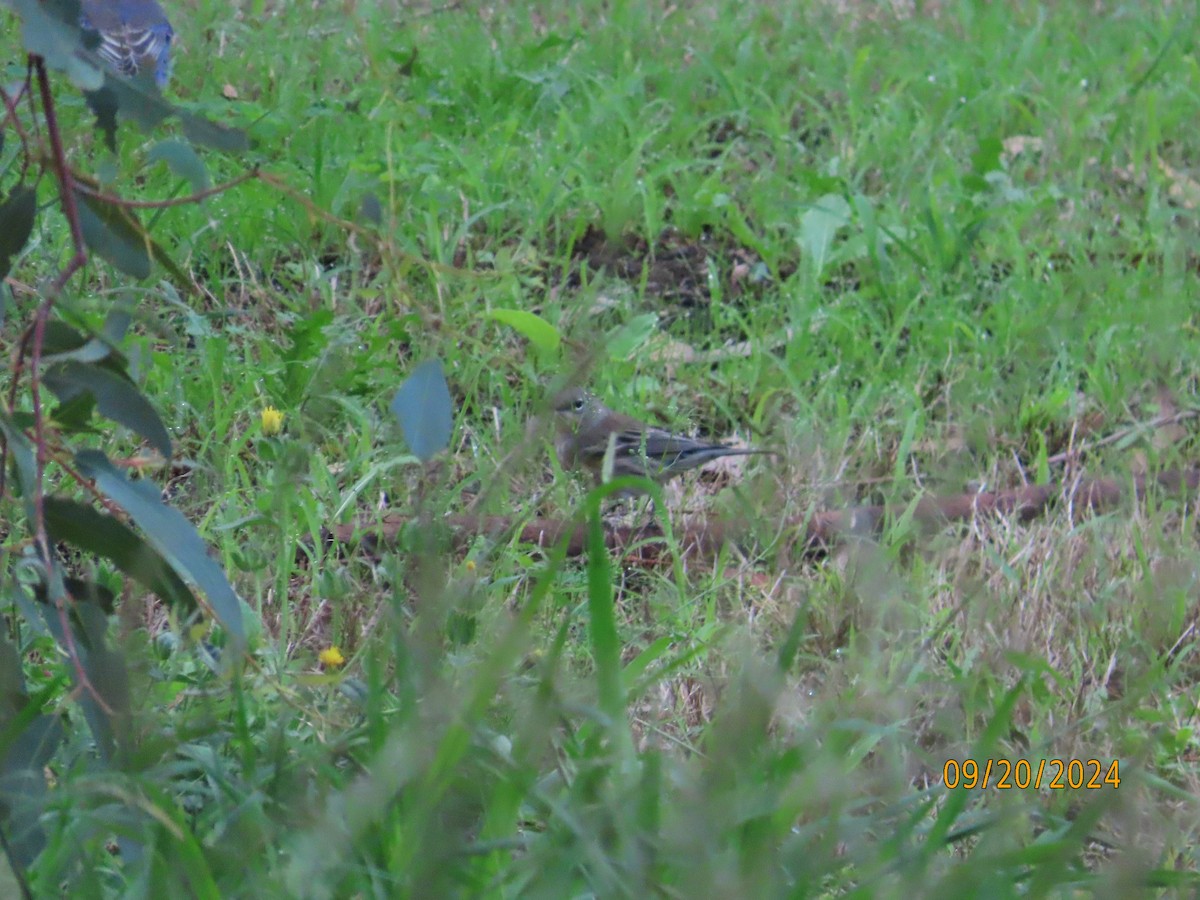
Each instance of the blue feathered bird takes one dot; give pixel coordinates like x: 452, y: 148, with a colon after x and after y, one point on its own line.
x: 134, y: 34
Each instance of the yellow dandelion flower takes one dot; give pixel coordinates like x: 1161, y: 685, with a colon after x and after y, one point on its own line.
x: 331, y: 657
x: 272, y: 421
x: 471, y: 565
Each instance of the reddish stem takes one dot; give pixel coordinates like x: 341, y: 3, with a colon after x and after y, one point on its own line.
x: 163, y: 204
x: 66, y: 185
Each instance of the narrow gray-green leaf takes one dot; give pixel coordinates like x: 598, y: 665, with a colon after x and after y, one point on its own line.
x: 90, y: 530
x: 93, y: 351
x: 117, y: 322
x: 61, y: 338
x: 20, y: 450
x: 17, y: 214
x: 115, y: 235
x: 28, y: 740
x: 88, y: 624
x: 117, y: 398
x: 119, y: 232
x: 173, y: 536
x: 62, y: 343
x: 425, y: 410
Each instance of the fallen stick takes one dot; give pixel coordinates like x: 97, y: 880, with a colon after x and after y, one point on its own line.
x: 816, y: 535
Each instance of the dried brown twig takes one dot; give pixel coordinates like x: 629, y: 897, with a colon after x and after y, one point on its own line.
x: 813, y: 536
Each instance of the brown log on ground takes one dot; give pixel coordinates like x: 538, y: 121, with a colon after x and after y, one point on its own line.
x: 816, y: 535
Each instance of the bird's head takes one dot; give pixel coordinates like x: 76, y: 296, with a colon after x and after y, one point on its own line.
x: 576, y: 410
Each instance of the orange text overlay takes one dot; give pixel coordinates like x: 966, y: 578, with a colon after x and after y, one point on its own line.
x: 1055, y: 774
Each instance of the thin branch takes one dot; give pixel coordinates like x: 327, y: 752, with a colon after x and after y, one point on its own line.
x: 13, y: 118
x: 112, y: 199
x: 317, y: 212
x: 354, y: 228
x: 71, y: 211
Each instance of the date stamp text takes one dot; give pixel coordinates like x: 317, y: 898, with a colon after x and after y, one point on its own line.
x: 1023, y: 774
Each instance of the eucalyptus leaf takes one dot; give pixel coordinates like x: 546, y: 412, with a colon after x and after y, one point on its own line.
x: 20, y: 450
x: 172, y: 536
x: 425, y: 410
x: 115, y: 235
x: 90, y: 530
x: 17, y: 215
x: 116, y: 397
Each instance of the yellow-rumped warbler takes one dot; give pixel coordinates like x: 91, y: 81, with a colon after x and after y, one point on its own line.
x: 587, y: 433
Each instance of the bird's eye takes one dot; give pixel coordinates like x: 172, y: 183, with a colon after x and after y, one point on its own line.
x: 578, y: 404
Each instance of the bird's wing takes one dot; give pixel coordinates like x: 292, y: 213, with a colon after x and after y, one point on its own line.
x: 656, y: 443
x: 131, y: 36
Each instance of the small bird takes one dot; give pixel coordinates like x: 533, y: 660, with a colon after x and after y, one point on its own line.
x: 134, y: 34
x: 587, y: 432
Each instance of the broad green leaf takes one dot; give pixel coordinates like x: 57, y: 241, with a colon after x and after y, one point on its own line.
x: 17, y: 214
x: 116, y: 396
x: 24, y: 794
x: 819, y: 226
x: 173, y: 536
x: 183, y: 161
x: 625, y: 340
x: 425, y: 410
x: 308, y: 341
x: 90, y: 530
x: 64, y: 343
x: 534, y: 328
x: 115, y: 234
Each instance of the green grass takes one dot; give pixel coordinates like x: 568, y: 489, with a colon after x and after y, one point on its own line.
x: 924, y: 310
